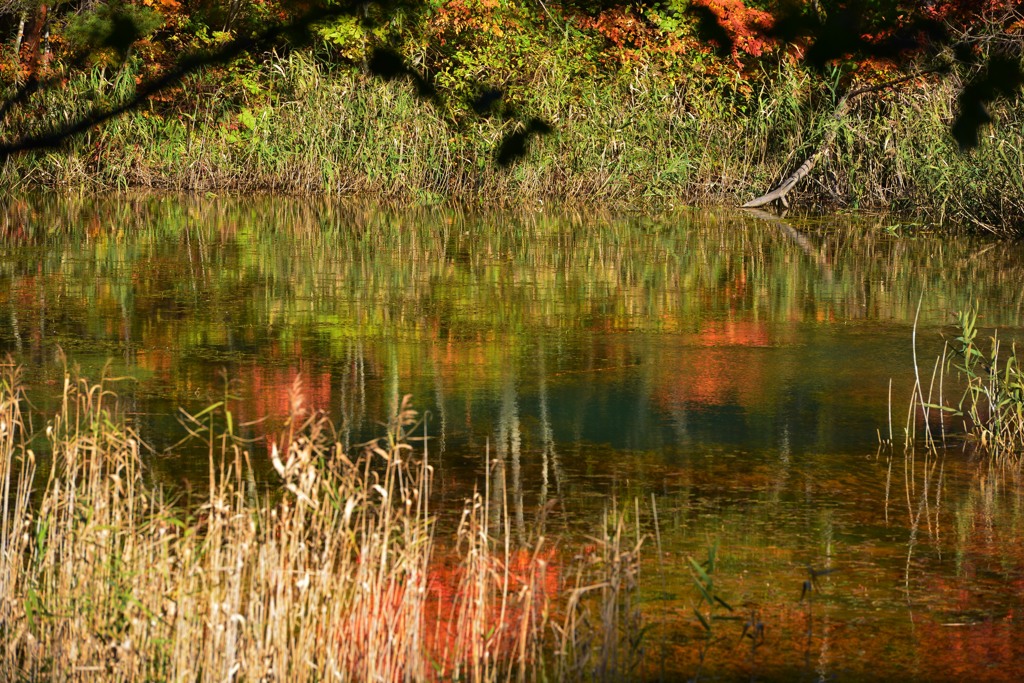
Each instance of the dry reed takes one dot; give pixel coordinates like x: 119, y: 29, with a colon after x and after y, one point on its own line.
x: 332, y: 575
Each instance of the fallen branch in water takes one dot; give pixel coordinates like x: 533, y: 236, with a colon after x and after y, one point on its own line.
x: 782, y: 189
x: 798, y: 238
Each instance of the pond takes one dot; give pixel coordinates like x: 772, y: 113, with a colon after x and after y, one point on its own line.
x: 729, y: 375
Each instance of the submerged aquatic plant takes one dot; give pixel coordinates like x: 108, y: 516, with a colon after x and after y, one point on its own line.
x: 709, y: 603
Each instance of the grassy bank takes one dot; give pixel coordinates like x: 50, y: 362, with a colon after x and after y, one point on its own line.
x: 336, y: 573
x: 645, y: 134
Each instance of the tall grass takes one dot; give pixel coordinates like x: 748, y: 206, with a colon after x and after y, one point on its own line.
x: 333, y: 574
x: 643, y: 135
x: 975, y: 393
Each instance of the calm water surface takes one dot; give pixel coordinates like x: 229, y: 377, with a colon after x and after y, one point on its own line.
x: 731, y: 373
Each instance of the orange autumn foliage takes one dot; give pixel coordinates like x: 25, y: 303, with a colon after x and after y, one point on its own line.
x: 631, y: 37
x: 748, y: 28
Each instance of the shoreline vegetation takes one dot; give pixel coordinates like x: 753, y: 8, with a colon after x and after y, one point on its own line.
x: 973, y: 398
x: 336, y: 572
x: 508, y: 104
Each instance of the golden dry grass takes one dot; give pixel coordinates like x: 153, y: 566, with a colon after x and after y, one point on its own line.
x: 332, y: 575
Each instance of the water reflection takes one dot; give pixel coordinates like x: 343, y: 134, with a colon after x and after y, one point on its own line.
x: 538, y: 334
x: 735, y: 368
